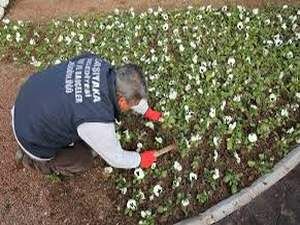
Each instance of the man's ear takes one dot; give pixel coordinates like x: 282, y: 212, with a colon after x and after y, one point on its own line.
x: 123, y: 102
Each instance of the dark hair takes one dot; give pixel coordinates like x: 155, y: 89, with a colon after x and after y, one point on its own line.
x: 130, y: 82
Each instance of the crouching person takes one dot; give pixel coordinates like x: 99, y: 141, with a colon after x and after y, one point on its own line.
x: 64, y: 116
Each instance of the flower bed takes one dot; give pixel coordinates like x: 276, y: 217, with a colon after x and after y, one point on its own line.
x: 227, y: 80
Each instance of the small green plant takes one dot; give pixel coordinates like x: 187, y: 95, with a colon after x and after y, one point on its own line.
x: 202, y: 197
x: 232, y: 180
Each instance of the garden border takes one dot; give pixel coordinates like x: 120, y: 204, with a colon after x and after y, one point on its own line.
x: 235, y: 202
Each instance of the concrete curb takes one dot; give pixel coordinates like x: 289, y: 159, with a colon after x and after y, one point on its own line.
x: 231, y: 204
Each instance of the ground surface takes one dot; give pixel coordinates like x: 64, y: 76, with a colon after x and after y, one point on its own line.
x: 29, y: 198
x: 280, y: 205
x: 43, y: 10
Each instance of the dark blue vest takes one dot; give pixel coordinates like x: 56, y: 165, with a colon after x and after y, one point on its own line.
x: 54, y: 102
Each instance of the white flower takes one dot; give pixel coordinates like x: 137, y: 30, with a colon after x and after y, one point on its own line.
x: 108, y: 170
x: 150, y: 125
x: 212, y: 112
x: 289, y: 55
x: 272, y: 97
x: 202, y: 69
x: 195, y: 59
x: 227, y: 119
x: 68, y: 40
x: 284, y: 112
x: 237, y: 98
x: 185, y: 202
x: 18, y: 37
x: 216, y: 174
x: 298, y: 94
x: 92, y: 41
x: 177, y: 166
x: 240, y: 25
x: 193, y: 45
x: 231, y: 61
x: 57, y: 61
x: 291, y: 130
x: 131, y: 204
x: 139, y: 173
x: 165, y: 27
x: 252, y: 137
x: 151, y: 197
x: 173, y: 94
x: 232, y: 126
x: 187, y: 87
x: 267, y: 21
x: 255, y: 11
x: 236, y: 156
x: 176, y: 182
x: 116, y: 11
x: 193, y: 176
x: 60, y: 38
x: 32, y: 41
x: 139, y: 145
x: 123, y: 190
x: 223, y: 105
x: 158, y: 139
x: 146, y: 213
x: 6, y: 21
x: 153, y: 166
x: 216, y: 155
x: 157, y: 190
x: 196, y: 137
x: 216, y: 141
x: 181, y: 48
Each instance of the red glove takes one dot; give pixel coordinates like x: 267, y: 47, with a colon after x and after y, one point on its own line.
x: 147, y: 158
x: 152, y: 115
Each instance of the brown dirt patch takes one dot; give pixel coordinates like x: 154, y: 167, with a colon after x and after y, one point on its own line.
x: 43, y: 10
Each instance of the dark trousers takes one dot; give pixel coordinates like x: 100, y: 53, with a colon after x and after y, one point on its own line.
x: 68, y: 161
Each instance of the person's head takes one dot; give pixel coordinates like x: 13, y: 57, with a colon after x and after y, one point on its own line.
x: 130, y: 85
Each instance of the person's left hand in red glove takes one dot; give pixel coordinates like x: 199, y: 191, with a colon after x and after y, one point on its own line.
x: 148, y: 157
x: 148, y: 113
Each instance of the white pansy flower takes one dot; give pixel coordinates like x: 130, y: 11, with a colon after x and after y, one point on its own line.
x: 252, y: 137
x: 181, y: 48
x: 298, y: 94
x: 176, y: 182
x: 227, y: 119
x: 165, y: 27
x: 232, y: 126
x: 284, y: 112
x: 131, y: 204
x: 150, y: 125
x: 139, y: 173
x: 173, y: 94
x: 255, y: 11
x: 157, y: 190
x: 202, y: 69
x: 32, y: 41
x: 188, y: 87
x: 139, y: 146
x: 57, y: 61
x: 177, y: 166
x: 159, y: 140
x: 212, y: 112
x: 193, y: 45
x: 123, y: 190
x: 196, y: 137
x: 291, y: 130
x: 193, y: 176
x: 145, y: 213
x: 289, y: 55
x: 151, y: 197
x: 216, y: 174
x: 185, y: 202
x: 216, y: 141
x: 240, y: 25
x: 236, y: 156
x: 216, y: 155
x: 231, y: 61
x: 195, y: 59
x: 108, y: 170
x: 272, y: 97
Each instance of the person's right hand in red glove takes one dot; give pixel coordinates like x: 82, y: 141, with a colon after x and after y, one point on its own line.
x: 147, y: 159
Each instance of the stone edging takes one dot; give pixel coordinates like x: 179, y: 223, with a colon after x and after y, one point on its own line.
x: 231, y: 204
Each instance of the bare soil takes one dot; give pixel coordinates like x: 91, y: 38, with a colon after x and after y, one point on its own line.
x: 43, y: 10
